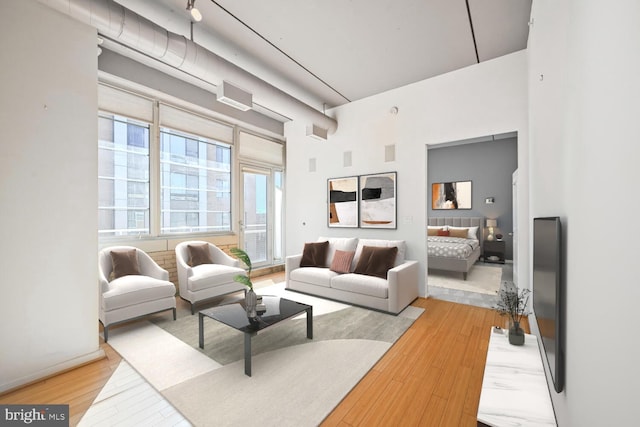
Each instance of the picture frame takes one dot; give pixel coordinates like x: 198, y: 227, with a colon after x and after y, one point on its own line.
x: 378, y: 204
x: 451, y: 195
x: 342, y: 202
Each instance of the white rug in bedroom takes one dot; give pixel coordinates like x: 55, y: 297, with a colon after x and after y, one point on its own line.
x: 484, y: 279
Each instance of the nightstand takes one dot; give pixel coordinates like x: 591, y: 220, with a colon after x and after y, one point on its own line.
x: 495, y: 248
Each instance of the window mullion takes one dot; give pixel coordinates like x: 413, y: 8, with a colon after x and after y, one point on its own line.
x: 154, y: 172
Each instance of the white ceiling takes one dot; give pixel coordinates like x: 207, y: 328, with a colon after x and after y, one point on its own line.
x: 330, y: 52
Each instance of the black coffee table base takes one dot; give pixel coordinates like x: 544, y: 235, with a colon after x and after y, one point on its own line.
x: 250, y: 327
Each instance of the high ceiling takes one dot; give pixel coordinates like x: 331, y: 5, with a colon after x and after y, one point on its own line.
x: 330, y: 52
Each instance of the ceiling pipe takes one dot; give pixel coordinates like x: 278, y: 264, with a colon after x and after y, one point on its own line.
x: 118, y: 23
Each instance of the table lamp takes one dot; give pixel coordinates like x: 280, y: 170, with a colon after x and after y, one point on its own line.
x: 490, y: 224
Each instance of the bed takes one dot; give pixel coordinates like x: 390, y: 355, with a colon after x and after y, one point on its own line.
x: 455, y: 253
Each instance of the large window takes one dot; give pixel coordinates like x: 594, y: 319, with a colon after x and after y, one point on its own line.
x: 165, y: 172
x: 123, y: 176
x: 195, y: 179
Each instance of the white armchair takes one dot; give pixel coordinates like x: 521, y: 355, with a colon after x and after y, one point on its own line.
x: 208, y: 280
x: 143, y: 289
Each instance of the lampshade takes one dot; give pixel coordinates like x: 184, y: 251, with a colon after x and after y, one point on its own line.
x: 492, y: 223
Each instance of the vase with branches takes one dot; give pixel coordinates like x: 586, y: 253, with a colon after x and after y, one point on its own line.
x: 251, y: 299
x: 513, y: 302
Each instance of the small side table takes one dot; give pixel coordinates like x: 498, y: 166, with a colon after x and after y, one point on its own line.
x: 494, y: 248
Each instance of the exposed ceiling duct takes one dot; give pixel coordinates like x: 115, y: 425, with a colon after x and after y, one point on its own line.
x: 120, y: 24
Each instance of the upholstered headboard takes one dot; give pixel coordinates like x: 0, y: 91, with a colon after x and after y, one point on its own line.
x: 461, y: 222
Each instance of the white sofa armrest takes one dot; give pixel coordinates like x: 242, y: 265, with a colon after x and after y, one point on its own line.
x: 403, y: 285
x: 291, y: 263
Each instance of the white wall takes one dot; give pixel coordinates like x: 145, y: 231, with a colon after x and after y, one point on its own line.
x: 485, y: 99
x: 48, y: 174
x: 584, y: 152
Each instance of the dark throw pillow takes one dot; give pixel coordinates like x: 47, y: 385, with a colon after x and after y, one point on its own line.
x: 341, y: 262
x: 199, y: 254
x: 376, y: 261
x: 443, y: 232
x: 314, y: 254
x: 125, y: 262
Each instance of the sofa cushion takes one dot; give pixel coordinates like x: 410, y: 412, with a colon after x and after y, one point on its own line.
x: 341, y: 262
x: 400, y: 244
x: 338, y: 243
x: 125, y: 262
x: 209, y: 275
x: 376, y: 261
x: 314, y: 254
x: 199, y: 254
x: 131, y: 290
x: 361, y: 284
x: 314, y: 275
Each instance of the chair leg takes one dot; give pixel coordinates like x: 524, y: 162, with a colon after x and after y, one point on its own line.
x: 174, y: 313
x: 106, y: 334
x: 192, y: 312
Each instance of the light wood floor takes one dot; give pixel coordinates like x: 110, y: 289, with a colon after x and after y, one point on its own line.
x: 78, y: 388
x: 432, y: 376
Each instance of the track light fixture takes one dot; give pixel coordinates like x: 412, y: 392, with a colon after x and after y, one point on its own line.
x: 195, y: 13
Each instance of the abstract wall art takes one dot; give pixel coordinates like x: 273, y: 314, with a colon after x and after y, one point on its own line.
x: 343, y: 202
x: 378, y: 200
x: 451, y: 195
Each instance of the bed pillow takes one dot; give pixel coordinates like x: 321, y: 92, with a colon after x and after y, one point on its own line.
x: 472, y: 232
x: 433, y: 231
x: 314, y: 254
x: 459, y: 232
x: 376, y: 261
x: 341, y: 262
x: 199, y: 254
x: 125, y: 262
x: 443, y: 232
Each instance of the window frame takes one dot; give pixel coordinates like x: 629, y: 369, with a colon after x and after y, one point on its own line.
x: 136, y: 103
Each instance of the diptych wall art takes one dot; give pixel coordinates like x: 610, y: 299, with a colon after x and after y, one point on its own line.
x: 343, y: 202
x: 366, y: 201
x: 378, y: 200
x: 451, y: 195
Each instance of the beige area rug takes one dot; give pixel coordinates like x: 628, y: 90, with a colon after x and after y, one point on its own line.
x: 293, y: 383
x: 294, y: 386
x: 483, y: 279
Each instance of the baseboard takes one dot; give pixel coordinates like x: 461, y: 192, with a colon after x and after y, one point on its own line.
x: 57, y: 369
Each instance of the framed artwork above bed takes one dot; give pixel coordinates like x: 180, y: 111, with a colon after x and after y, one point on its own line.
x: 451, y: 195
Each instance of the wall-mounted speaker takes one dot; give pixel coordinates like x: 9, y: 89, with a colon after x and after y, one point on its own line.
x: 347, y: 159
x: 390, y: 153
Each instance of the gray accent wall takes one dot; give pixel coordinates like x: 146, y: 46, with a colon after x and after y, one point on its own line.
x: 489, y: 166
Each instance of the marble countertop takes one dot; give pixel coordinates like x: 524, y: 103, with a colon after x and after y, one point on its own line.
x: 514, y: 387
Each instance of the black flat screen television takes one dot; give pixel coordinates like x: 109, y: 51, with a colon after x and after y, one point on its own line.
x: 548, y: 293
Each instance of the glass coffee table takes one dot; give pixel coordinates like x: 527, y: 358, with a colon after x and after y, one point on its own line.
x: 235, y: 316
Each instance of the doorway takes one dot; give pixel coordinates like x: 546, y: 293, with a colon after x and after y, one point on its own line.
x: 261, y: 221
x: 488, y: 164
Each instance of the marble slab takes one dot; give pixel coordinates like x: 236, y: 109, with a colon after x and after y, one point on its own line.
x: 514, y: 387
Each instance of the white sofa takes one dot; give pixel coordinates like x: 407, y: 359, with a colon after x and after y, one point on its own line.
x: 391, y: 295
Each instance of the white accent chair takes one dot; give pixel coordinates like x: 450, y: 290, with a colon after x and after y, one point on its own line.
x: 206, y: 281
x: 133, y: 296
